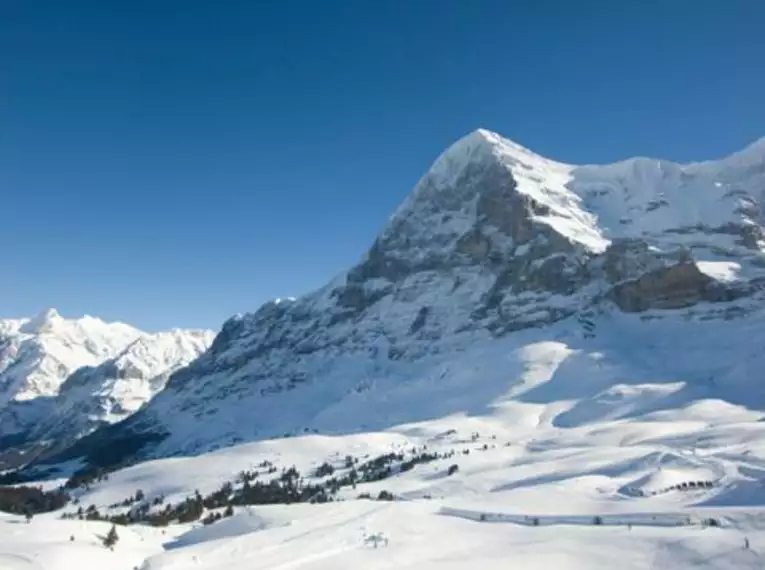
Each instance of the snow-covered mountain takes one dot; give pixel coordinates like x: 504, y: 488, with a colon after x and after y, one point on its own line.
x: 38, y: 354
x: 61, y: 378
x: 579, y: 263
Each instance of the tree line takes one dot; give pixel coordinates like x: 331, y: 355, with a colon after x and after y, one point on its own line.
x: 251, y: 488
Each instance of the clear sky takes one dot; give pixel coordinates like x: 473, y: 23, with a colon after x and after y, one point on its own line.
x: 171, y: 163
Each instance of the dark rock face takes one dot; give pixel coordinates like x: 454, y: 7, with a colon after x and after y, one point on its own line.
x: 673, y: 287
x: 629, y: 258
x: 420, y: 320
x: 478, y: 221
x: 484, y: 193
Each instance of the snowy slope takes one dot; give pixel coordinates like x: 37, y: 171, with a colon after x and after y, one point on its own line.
x: 71, y: 545
x: 526, y: 490
x: 419, y: 535
x: 421, y: 539
x: 62, y: 377
x: 494, y: 245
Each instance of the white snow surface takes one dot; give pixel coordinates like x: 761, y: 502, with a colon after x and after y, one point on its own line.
x: 46, y: 544
x: 720, y: 270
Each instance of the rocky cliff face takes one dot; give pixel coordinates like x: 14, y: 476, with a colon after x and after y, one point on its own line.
x: 493, y: 240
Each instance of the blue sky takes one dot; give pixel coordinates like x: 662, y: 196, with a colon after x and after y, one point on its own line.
x: 171, y: 163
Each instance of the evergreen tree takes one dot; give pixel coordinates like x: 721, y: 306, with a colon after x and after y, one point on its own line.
x: 111, y: 539
x: 385, y: 496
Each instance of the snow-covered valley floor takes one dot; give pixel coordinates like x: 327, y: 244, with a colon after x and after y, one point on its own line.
x: 597, y: 497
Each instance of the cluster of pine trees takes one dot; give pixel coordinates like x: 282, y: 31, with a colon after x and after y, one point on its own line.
x: 86, y: 477
x: 252, y: 488
x: 288, y: 487
x: 31, y: 500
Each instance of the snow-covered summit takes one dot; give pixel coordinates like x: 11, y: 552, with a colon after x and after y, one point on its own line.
x: 595, y: 204
x: 450, y: 189
x: 493, y: 242
x: 43, y: 322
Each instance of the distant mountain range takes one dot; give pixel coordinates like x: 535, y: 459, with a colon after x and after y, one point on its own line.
x: 62, y: 378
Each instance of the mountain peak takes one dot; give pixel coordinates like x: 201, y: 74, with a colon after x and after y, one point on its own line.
x: 42, y: 322
x: 481, y: 200
x: 479, y: 137
x: 473, y: 147
x: 49, y: 314
x: 753, y: 153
